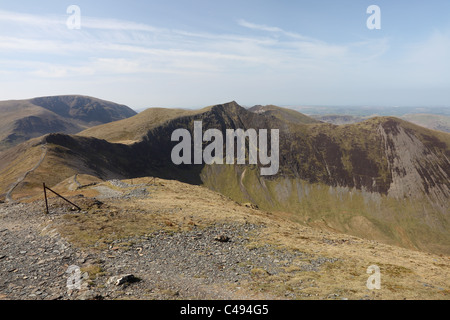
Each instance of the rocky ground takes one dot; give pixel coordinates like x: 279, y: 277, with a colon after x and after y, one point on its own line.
x: 32, y: 265
x: 34, y: 261
x: 214, y: 249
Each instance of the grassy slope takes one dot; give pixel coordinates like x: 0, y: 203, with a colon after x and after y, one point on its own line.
x: 16, y: 161
x: 133, y: 129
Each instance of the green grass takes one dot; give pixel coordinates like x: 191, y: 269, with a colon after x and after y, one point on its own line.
x: 396, y: 221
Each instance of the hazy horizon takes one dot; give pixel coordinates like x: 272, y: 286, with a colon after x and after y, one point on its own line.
x: 306, y: 109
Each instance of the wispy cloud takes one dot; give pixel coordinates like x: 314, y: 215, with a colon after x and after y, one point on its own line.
x: 25, y: 19
x: 127, y: 39
x: 276, y: 30
x: 128, y: 51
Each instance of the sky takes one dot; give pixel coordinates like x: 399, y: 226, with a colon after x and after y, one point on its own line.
x: 191, y: 54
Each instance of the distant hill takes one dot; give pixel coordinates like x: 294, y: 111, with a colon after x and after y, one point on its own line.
x: 339, y: 119
x: 430, y: 121
x: 284, y: 114
x: 384, y: 178
x: 22, y: 120
x: 368, y: 111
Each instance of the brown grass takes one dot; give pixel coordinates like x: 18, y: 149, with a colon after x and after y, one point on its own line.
x: 176, y: 207
x: 131, y: 130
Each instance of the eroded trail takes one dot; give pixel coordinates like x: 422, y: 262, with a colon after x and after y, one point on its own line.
x: 8, y: 196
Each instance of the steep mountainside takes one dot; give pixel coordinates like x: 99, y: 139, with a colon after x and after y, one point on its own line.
x: 383, y: 179
x: 25, y: 119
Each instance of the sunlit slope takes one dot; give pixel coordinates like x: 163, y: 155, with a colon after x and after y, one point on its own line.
x: 135, y: 128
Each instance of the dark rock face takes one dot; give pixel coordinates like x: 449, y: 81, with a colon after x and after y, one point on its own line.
x: 418, y: 164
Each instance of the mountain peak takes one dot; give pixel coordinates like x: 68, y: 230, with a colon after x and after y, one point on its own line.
x: 228, y: 105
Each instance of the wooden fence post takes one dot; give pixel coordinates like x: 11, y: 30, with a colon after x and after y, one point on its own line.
x: 46, y: 203
x: 45, y: 196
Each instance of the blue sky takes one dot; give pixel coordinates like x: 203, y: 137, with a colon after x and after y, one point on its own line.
x: 199, y: 53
